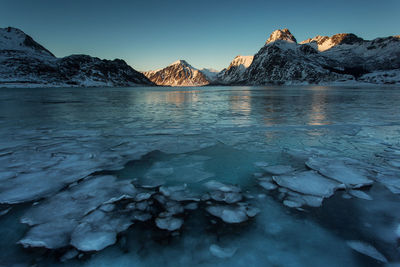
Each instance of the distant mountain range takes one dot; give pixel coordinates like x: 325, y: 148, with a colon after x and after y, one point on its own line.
x: 341, y: 58
x: 25, y: 63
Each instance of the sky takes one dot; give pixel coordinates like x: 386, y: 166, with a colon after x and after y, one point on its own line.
x: 151, y: 34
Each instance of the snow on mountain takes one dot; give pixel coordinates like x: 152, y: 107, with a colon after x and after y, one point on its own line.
x: 283, y: 61
x: 283, y: 35
x: 25, y: 63
x: 322, y: 59
x: 16, y: 40
x: 234, y: 73
x: 179, y: 73
x: 325, y: 42
x: 211, y: 74
x: 351, y: 51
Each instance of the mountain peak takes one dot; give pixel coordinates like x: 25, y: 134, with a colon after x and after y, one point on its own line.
x: 15, y: 39
x: 181, y: 62
x: 284, y: 35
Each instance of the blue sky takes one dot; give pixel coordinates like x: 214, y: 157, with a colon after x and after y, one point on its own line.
x: 152, y: 34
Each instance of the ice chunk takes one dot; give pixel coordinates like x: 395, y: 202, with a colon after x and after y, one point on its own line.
x: 229, y: 214
x: 70, y: 254
x: 360, y: 194
x: 51, y: 235
x: 292, y: 204
x: 143, y: 196
x: 215, y: 185
x: 150, y: 183
x: 347, y: 171
x: 79, y: 200
x: 221, y: 252
x: 99, y: 230
x: 5, y: 211
x: 169, y: 223
x: 228, y: 197
x: 308, y: 182
x: 267, y: 185
x: 367, y: 249
x: 56, y: 219
x: 278, y: 169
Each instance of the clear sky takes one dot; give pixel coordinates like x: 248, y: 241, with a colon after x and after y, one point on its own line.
x: 153, y: 33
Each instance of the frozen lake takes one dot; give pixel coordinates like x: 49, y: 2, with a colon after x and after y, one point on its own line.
x: 210, y: 176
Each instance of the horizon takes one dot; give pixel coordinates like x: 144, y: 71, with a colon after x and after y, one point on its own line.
x: 202, y: 38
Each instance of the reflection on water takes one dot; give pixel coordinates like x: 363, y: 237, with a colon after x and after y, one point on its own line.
x: 317, y: 115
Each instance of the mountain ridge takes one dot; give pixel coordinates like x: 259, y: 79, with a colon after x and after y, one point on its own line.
x: 343, y: 57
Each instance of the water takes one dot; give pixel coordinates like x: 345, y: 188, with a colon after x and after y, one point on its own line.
x: 51, y: 138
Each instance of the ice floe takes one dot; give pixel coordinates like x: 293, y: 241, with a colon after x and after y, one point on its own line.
x: 350, y: 172
x: 308, y: 183
x: 367, y: 249
x: 221, y: 252
x: 169, y: 223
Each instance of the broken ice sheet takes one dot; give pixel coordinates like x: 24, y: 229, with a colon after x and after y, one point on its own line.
x: 63, y: 212
x: 308, y: 183
x: 344, y: 170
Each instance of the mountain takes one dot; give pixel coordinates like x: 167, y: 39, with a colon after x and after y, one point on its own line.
x: 323, y: 59
x: 234, y: 73
x: 211, y: 74
x: 179, y: 73
x: 351, y: 51
x: 282, y: 61
x: 24, y: 62
x: 282, y: 35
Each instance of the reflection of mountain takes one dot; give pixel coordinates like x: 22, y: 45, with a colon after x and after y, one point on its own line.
x: 241, y: 104
x: 317, y: 115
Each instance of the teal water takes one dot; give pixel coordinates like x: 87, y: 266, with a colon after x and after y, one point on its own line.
x: 193, y: 135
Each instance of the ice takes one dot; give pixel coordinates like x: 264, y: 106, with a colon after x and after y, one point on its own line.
x: 169, y: 223
x: 278, y: 169
x: 79, y: 200
x: 267, y: 183
x: 65, y: 214
x: 98, y: 230
x: 360, y: 194
x: 309, y: 183
x: 347, y: 171
x: 54, y: 145
x: 5, y: 211
x: 229, y: 214
x: 52, y: 235
x: 70, y: 254
x: 367, y: 249
x: 228, y: 197
x: 218, y: 186
x: 300, y: 200
x: 221, y: 252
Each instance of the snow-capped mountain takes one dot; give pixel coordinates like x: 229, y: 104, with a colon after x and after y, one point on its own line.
x: 179, y: 73
x: 234, y: 73
x: 24, y: 62
x: 322, y: 59
x: 282, y: 60
x: 211, y: 74
x: 352, y: 51
x: 283, y: 35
